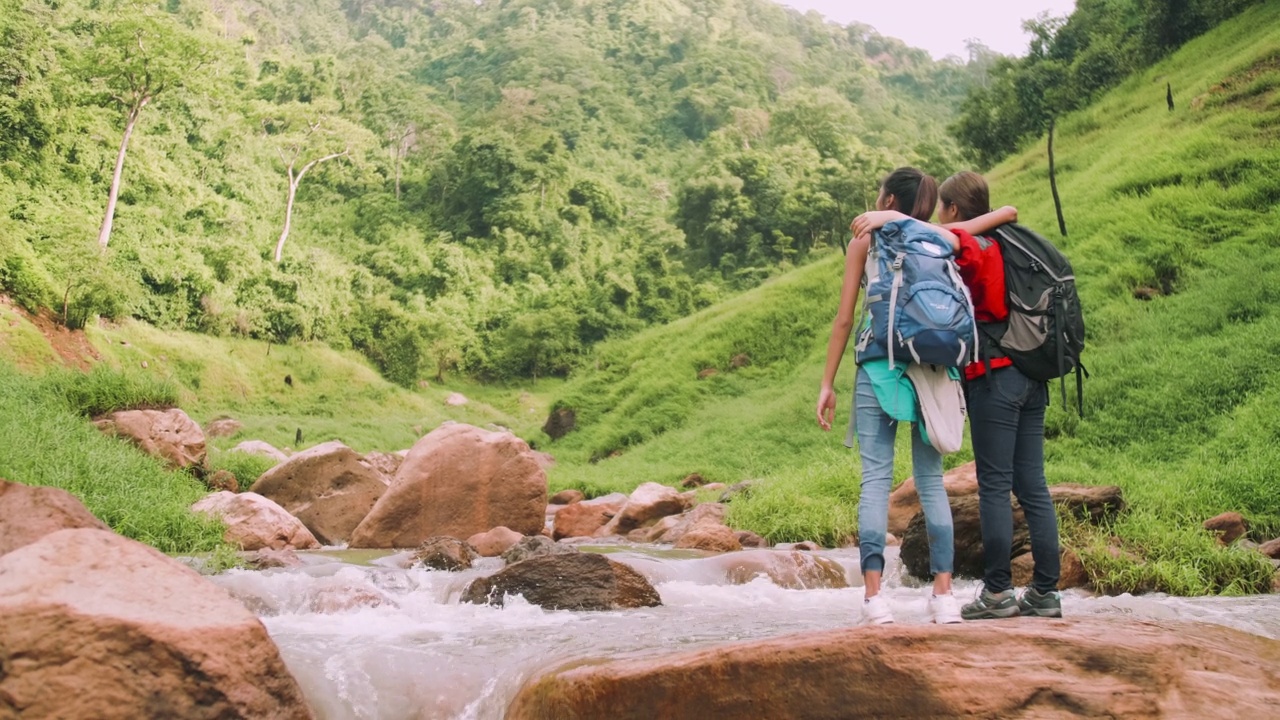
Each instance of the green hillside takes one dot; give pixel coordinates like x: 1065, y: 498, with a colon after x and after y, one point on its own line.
x: 1179, y: 207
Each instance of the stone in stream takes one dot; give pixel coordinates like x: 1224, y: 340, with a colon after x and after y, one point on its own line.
x: 459, y: 480
x: 94, y: 625
x: 255, y: 522
x: 571, y: 581
x: 535, y: 546
x: 1023, y: 667
x: 445, y: 553
x: 326, y: 487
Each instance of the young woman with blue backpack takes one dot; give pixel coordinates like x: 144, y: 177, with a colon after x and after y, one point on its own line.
x: 1031, y: 330
x: 918, y: 316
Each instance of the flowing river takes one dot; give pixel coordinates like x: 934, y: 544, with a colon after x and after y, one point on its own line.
x: 421, y: 654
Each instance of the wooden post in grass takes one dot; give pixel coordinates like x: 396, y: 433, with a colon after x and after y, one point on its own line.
x: 1053, y: 183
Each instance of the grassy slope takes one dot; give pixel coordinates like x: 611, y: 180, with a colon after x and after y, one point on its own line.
x: 1178, y: 410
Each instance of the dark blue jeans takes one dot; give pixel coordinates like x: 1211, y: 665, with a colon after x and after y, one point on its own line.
x: 1006, y: 422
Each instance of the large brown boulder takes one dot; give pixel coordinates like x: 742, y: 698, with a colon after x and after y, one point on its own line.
x: 1024, y: 668
x: 170, y: 435
x: 568, y: 581
x: 904, y: 502
x: 255, y: 522
x: 28, y: 513
x: 459, y: 480
x: 99, y: 626
x: 326, y: 487
x: 586, y: 518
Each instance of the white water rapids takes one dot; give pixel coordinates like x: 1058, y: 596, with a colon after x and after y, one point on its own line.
x: 424, y: 655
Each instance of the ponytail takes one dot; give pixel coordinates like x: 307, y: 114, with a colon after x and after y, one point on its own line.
x: 916, y: 192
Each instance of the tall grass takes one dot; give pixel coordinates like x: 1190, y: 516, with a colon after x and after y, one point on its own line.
x: 46, y: 440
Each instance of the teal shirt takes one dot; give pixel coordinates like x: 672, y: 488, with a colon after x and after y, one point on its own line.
x: 896, y: 394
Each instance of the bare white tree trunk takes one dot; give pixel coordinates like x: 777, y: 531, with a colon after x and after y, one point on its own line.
x: 294, y: 181
x: 104, y: 233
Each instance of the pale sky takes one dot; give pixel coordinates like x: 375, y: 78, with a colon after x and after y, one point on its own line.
x: 942, y: 26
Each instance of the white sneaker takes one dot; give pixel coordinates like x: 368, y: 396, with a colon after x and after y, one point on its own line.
x: 943, y: 609
x: 875, y: 611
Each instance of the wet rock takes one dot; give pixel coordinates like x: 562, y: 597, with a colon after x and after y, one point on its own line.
x: 258, y: 447
x: 1081, y: 667
x: 566, y: 497
x: 255, y: 522
x: 748, y: 539
x: 223, y: 427
x: 28, y: 513
x: 572, y: 581
x: 494, y: 542
x: 646, y: 504
x: 535, y: 546
x: 785, y: 568
x: 445, y: 553
x: 459, y: 480
x: 672, y: 528
x: 268, y: 559
x: 334, y: 599
x: 713, y: 538
x: 170, y: 435
x: 99, y: 626
x: 326, y: 487
x: 586, y: 518
x: 1229, y: 527
x: 904, y: 503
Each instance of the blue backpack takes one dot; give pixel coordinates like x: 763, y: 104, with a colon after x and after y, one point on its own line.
x: 919, y: 308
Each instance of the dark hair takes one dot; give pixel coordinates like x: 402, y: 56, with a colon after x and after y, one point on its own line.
x: 968, y: 192
x: 916, y: 193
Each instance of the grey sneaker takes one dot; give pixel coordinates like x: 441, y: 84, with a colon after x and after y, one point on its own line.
x: 1039, y: 604
x: 989, y: 605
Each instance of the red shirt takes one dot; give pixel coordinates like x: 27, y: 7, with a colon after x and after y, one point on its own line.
x: 982, y: 269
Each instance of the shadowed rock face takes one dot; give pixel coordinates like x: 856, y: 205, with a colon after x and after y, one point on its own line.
x: 94, y: 625
x: 1010, y: 668
x: 572, y: 581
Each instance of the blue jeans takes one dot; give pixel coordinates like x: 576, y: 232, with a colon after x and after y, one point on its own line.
x: 876, y: 434
x: 1006, y: 422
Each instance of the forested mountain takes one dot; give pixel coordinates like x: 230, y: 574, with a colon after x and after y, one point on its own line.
x: 484, y: 186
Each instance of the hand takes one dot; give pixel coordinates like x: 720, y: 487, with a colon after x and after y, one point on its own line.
x: 869, y: 222
x: 826, y: 407
x: 1008, y: 213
